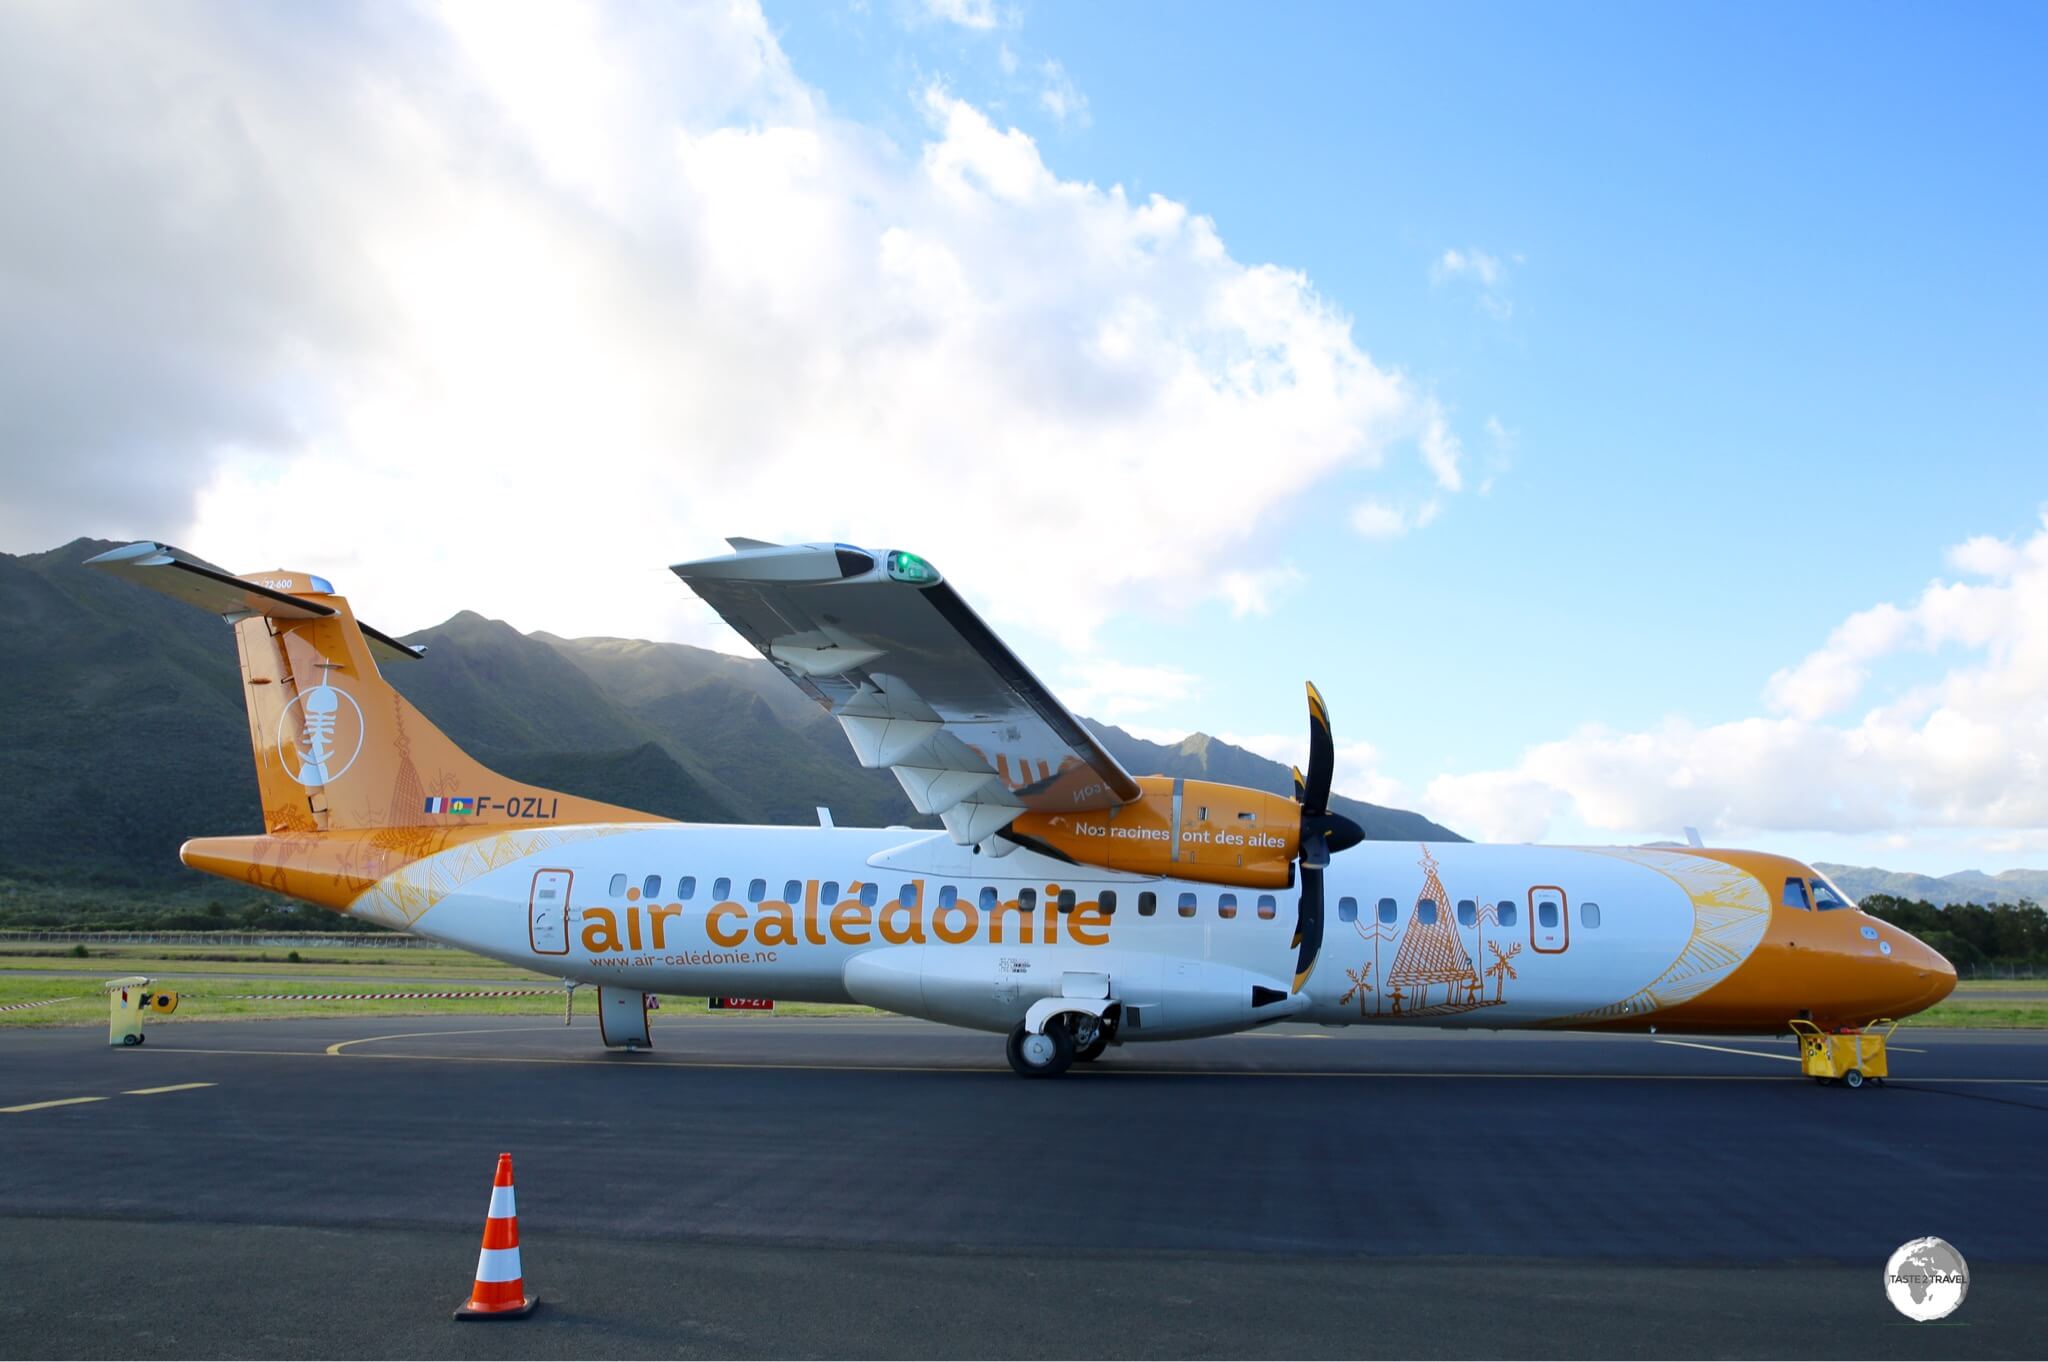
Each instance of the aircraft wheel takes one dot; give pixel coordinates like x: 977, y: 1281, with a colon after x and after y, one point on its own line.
x: 131, y: 1039
x: 1091, y: 1037
x: 1045, y: 1055
x: 1854, y: 1078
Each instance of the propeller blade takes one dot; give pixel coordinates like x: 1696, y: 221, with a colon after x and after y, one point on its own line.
x: 1299, y: 785
x: 1322, y: 754
x: 1308, y: 929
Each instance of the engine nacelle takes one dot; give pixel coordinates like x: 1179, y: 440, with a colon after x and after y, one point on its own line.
x: 1187, y: 829
x: 991, y: 988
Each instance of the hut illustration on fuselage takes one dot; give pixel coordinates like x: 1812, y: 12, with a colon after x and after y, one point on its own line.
x: 1432, y: 973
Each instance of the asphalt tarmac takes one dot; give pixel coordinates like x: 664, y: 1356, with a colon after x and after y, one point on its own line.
x: 777, y: 1186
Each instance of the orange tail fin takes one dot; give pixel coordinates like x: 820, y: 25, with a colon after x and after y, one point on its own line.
x: 337, y: 749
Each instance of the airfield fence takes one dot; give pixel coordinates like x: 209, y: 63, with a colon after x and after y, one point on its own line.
x: 390, y: 940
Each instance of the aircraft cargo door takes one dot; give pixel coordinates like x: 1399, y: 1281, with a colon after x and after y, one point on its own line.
x: 547, y: 913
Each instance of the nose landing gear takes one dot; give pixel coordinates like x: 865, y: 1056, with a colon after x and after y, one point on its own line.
x: 1046, y: 1054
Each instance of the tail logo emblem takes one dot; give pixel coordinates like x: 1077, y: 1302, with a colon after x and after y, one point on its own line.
x: 320, y: 735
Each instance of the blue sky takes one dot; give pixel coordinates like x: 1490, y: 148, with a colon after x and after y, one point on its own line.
x: 1765, y: 333
x: 1628, y: 415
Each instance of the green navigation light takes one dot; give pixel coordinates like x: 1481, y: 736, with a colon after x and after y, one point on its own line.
x: 908, y: 567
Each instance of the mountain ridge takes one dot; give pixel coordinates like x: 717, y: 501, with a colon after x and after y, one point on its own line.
x: 123, y: 718
x: 1963, y: 886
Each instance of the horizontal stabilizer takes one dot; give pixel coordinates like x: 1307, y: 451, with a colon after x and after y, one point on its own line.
x: 274, y: 595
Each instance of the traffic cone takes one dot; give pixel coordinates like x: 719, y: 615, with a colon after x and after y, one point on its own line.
x: 500, y: 1291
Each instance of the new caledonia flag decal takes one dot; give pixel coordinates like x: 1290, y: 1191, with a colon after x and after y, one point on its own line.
x: 464, y: 805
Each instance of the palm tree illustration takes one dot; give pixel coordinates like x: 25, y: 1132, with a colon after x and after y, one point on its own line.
x: 1359, y: 986
x: 1378, y: 934
x: 1500, y: 971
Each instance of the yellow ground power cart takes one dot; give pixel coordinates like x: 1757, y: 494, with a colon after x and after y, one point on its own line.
x: 1848, y: 1056
x: 127, y: 1000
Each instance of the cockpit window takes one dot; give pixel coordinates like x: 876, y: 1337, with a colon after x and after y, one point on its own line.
x: 1795, y: 894
x: 1826, y: 897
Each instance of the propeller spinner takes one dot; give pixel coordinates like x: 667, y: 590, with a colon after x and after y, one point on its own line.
x: 1323, y: 834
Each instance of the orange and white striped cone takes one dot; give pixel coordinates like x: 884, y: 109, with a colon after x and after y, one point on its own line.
x: 500, y: 1291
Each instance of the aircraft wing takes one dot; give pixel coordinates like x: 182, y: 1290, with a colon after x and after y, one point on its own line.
x: 918, y: 682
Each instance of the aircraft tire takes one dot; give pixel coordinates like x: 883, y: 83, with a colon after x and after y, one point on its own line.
x: 1042, y: 1056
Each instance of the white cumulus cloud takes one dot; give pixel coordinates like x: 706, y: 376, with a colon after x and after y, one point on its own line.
x: 1059, y: 96
x: 1485, y: 273
x: 1968, y: 751
x: 1379, y: 520
x: 507, y: 306
x: 980, y: 14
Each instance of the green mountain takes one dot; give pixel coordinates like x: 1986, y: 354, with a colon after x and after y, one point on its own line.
x: 1201, y: 757
x: 1965, y: 886
x: 122, y: 733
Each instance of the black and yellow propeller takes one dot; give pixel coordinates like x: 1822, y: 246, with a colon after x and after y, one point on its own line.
x: 1323, y: 834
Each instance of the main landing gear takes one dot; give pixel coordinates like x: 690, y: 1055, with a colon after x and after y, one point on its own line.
x: 1070, y: 1038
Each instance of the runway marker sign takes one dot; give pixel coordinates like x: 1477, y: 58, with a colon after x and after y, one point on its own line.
x: 741, y: 1004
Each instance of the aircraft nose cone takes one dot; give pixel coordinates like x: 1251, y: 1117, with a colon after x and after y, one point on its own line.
x: 1924, y: 975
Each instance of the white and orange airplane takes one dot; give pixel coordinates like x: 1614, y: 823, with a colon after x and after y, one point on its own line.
x: 1067, y: 903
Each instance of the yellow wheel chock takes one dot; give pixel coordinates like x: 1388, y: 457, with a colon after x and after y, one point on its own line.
x: 1848, y: 1056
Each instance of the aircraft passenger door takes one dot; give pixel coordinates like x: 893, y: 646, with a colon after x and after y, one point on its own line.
x: 547, y: 913
x: 1550, y: 925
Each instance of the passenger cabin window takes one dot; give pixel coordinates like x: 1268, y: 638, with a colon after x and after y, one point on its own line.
x: 1826, y: 897
x: 1425, y: 912
x: 1347, y: 910
x: 721, y: 888
x: 618, y: 886
x: 1506, y: 912
x: 1547, y: 913
x: 828, y: 892
x: 1148, y: 903
x: 1107, y: 901
x: 686, y: 888
x: 1226, y: 906
x: 1027, y: 899
x: 948, y: 896
x: 1468, y: 912
x: 1589, y: 914
x: 1066, y: 900
x: 988, y: 898
x: 1270, y: 908
x: 1795, y: 894
x: 1187, y: 905
x: 869, y: 893
x: 650, y: 887
x: 907, y: 895
x: 1390, y: 911
x: 756, y: 890
x: 792, y: 891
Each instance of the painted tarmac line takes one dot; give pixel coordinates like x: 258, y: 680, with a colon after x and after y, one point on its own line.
x: 168, y: 1087
x: 59, y: 1102
x: 647, y: 1060
x: 341, y: 1045
x: 1725, y: 1049
x: 80, y: 1101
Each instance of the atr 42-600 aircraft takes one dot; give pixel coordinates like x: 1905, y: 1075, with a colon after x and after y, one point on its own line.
x: 1068, y: 904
